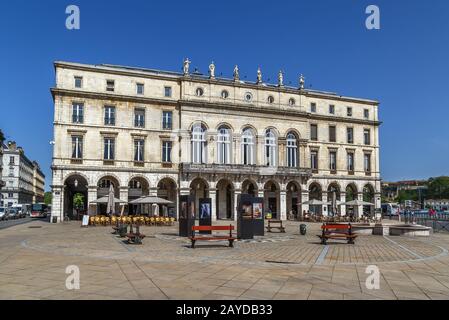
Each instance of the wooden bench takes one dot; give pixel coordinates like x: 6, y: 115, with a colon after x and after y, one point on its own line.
x: 195, y: 237
x: 337, y: 232
x: 275, y: 224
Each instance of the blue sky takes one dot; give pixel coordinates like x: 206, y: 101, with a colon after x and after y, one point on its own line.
x: 405, y: 65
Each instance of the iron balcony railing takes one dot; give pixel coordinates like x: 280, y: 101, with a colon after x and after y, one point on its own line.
x: 244, y: 169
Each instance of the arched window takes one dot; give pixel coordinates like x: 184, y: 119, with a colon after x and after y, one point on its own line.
x: 270, y: 148
x: 292, y: 150
x: 248, y: 147
x: 224, y: 145
x: 198, y: 143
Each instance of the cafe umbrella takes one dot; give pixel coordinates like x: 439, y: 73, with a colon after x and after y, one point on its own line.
x: 314, y: 203
x: 151, y: 200
x: 111, y: 202
x: 356, y: 203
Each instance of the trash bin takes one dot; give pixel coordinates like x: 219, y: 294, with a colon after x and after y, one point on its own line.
x: 55, y: 220
x: 302, y: 229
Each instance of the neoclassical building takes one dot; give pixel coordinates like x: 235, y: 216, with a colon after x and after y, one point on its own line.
x: 152, y: 132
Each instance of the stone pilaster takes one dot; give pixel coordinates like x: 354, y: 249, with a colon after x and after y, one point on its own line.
x: 237, y: 192
x: 213, y: 198
x: 283, y: 200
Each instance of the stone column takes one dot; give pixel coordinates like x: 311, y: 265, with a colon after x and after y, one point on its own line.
x: 237, y: 192
x: 342, y: 200
x: 283, y: 200
x: 213, y: 198
x: 324, y: 207
x: 153, y: 192
x: 236, y: 154
x: 281, y: 152
x: 124, y: 191
x: 304, y: 198
x: 359, y: 209
x: 91, y: 196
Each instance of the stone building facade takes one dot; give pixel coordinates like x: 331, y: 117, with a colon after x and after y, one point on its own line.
x: 152, y: 132
x: 24, y: 181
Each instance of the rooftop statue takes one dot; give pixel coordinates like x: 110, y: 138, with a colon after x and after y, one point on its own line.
x: 212, y: 70
x: 236, y: 73
x: 186, y: 66
x: 301, y: 82
x: 259, y: 75
x: 280, y: 79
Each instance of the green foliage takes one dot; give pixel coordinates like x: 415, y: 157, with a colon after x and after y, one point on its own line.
x: 48, y: 197
x: 407, y: 195
x: 78, y: 201
x: 438, y: 188
x: 2, y: 136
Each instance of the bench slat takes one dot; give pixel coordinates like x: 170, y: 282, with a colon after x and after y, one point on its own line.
x: 335, y: 226
x: 212, y: 228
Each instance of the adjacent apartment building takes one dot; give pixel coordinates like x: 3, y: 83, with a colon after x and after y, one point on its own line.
x: 23, y: 178
x: 162, y: 133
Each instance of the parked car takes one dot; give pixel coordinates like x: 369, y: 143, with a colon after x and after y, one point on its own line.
x: 2, y: 214
x: 12, y: 213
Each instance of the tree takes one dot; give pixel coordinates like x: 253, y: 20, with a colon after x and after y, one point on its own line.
x: 78, y: 201
x: 2, y: 136
x: 48, y: 197
x: 438, y: 188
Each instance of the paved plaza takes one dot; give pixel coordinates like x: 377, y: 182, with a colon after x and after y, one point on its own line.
x: 34, y: 258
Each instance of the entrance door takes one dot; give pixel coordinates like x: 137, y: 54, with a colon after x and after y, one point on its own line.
x: 272, y: 207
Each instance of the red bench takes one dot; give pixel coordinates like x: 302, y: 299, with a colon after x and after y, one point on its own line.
x: 337, y: 232
x: 196, y: 237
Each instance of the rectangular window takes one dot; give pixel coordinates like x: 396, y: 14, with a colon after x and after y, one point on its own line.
x: 166, y: 151
x: 350, y: 135
x: 167, y: 120
x: 367, y: 162
x: 332, y: 134
x: 78, y: 82
x: 350, y: 161
x: 314, y: 132
x: 331, y: 109
x: 11, y: 160
x: 333, y: 160
x: 314, y: 160
x: 167, y: 92
x: 109, y: 149
x: 366, y: 113
x: 77, y: 113
x: 139, y: 150
x: 313, y: 107
x: 349, y: 111
x: 110, y: 85
x: 109, y: 115
x: 140, y: 88
x: 366, y: 136
x: 139, y: 118
x: 77, y: 147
